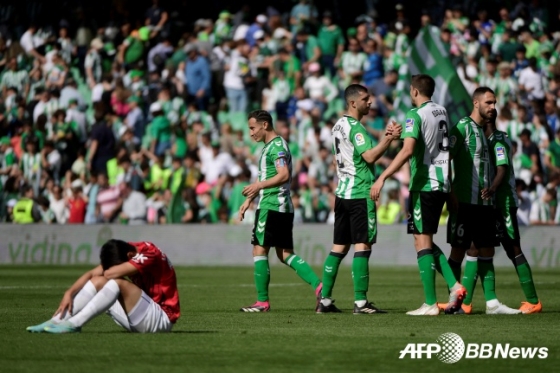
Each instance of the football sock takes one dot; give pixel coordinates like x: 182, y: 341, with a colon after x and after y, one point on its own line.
x: 455, y: 268
x: 262, y: 277
x: 487, y: 277
x: 443, y: 267
x: 526, y: 279
x: 330, y: 270
x: 303, y: 270
x: 99, y: 304
x: 427, y: 275
x: 469, y: 278
x: 360, y: 274
x: 80, y: 300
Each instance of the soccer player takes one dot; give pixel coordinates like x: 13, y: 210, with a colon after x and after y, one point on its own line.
x: 274, y: 218
x: 426, y: 143
x: 503, y: 190
x: 472, y: 216
x: 148, y: 303
x: 355, y: 215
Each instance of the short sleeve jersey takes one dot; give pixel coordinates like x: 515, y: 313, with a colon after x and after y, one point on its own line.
x: 355, y: 176
x: 429, y: 163
x: 501, y: 155
x: 469, y: 150
x: 156, y: 277
x: 275, y: 153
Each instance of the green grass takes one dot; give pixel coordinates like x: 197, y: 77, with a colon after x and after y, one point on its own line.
x: 213, y: 336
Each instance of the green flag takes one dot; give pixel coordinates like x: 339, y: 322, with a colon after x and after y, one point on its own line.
x: 428, y: 55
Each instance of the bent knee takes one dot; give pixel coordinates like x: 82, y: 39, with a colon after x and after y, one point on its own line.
x: 98, y: 282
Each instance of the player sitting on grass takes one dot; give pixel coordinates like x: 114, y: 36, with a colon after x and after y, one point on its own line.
x: 148, y: 303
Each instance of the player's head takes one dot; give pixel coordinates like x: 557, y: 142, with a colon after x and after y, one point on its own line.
x: 484, y: 101
x: 115, y: 252
x: 357, y: 98
x: 260, y: 121
x: 422, y: 87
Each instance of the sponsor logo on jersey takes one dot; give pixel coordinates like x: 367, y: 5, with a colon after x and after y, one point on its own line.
x: 409, y: 125
x: 500, y: 153
x: 359, y: 138
x: 281, y: 154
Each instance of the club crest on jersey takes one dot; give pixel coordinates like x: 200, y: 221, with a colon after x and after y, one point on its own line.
x: 409, y: 125
x: 281, y: 154
x: 500, y: 153
x: 359, y: 138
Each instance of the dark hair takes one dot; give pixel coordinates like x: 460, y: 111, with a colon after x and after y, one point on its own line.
x: 525, y: 132
x: 115, y: 252
x: 425, y: 84
x: 481, y: 91
x: 261, y: 116
x: 353, y: 90
x: 26, y: 188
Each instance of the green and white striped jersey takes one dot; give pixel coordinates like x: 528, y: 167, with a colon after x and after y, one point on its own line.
x: 500, y: 150
x: 429, y: 164
x: 355, y: 175
x: 276, y: 198
x: 469, y: 150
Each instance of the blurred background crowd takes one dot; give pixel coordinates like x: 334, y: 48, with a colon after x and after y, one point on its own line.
x: 137, y: 115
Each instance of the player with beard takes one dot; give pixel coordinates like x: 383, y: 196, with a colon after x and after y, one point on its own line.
x: 471, y: 226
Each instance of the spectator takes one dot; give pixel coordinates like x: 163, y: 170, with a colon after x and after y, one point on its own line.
x: 133, y: 205
x: 26, y: 210
x: 102, y: 147
x: 76, y: 203
x: 197, y: 77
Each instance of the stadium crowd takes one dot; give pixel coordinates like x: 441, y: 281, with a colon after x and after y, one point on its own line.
x: 140, y: 124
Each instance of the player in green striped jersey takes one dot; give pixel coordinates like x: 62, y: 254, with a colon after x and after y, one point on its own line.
x: 471, y: 226
x: 355, y: 219
x: 426, y: 144
x: 274, y: 218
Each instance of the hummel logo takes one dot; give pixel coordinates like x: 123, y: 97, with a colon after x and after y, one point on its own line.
x: 139, y: 258
x: 508, y: 221
x: 371, y: 222
x: 260, y: 229
x: 278, y: 143
x: 261, y: 224
x: 417, y: 214
x: 328, y: 269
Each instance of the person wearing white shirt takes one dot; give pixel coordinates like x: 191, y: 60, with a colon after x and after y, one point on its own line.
x: 218, y: 166
x: 320, y: 88
x: 134, y: 207
x: 30, y: 42
x: 531, y: 81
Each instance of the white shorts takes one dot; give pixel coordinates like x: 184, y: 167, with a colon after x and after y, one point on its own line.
x: 146, y: 317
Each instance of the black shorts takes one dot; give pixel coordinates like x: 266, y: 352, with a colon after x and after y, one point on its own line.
x: 273, y: 229
x: 424, y: 211
x: 507, y: 228
x: 472, y: 224
x: 355, y: 221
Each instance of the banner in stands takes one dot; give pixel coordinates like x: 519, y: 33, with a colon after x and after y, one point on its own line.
x: 221, y: 245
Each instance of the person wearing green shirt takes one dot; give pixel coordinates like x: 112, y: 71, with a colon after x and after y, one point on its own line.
x: 132, y: 49
x: 291, y: 66
x: 160, y: 130
x: 311, y: 47
x: 274, y: 218
x: 552, y: 156
x: 331, y: 43
x: 355, y: 212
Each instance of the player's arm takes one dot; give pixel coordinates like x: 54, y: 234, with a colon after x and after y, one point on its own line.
x: 501, y: 162
x: 120, y: 271
x: 396, y: 164
x: 67, y: 299
x: 282, y: 176
x: 456, y: 139
x: 362, y: 143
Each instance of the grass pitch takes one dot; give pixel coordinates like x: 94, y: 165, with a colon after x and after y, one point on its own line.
x: 213, y: 336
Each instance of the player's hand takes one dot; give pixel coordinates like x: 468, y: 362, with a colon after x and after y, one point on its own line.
x: 487, y: 193
x: 244, y: 207
x: 65, y: 305
x: 251, y: 191
x: 375, y: 190
x: 396, y: 131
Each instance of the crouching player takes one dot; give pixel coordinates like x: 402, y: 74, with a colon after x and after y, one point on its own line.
x: 148, y: 303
